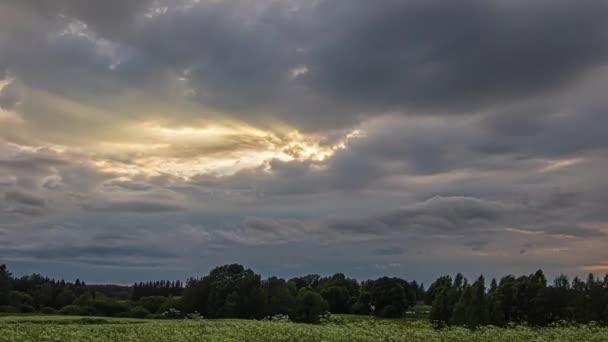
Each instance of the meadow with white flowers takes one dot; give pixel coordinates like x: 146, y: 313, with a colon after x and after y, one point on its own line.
x: 343, y: 328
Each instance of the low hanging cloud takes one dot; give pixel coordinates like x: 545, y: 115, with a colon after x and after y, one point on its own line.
x: 453, y: 215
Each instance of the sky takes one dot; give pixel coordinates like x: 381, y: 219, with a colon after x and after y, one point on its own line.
x: 149, y: 139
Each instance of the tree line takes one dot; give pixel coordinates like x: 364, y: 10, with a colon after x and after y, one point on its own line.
x: 233, y: 291
x: 162, y: 288
x: 230, y: 291
x: 525, y: 299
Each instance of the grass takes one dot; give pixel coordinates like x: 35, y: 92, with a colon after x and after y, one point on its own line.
x: 345, y: 328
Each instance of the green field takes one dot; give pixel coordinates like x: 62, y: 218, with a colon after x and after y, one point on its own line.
x: 65, y: 329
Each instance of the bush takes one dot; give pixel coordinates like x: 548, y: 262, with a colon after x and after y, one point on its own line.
x: 277, y: 318
x: 152, y: 304
x: 8, y: 309
x: 390, y: 311
x: 172, y: 314
x: 333, y: 319
x: 25, y: 308
x: 75, y: 310
x: 84, y: 300
x: 18, y: 299
x: 139, y: 312
x: 170, y: 303
x: 110, y: 307
x: 359, y: 308
x: 48, y: 310
x: 310, y: 306
x: 195, y: 316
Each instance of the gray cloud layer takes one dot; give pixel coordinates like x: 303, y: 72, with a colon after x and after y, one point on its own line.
x: 360, y: 57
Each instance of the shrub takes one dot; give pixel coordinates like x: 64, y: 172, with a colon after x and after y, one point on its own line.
x: 48, y: 310
x: 84, y: 300
x: 110, y: 307
x: 25, y: 308
x: 8, y: 309
x: 75, y: 310
x: 195, y: 315
x: 310, y: 306
x: 18, y: 298
x: 389, y: 311
x: 360, y: 308
x: 172, y: 314
x: 139, y: 312
x: 277, y: 318
x: 152, y: 304
x: 170, y: 303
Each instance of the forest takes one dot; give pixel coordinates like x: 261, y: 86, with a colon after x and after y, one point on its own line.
x: 233, y: 291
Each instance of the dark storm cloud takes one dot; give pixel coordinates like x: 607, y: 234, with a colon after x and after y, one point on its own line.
x: 378, y: 56
x: 451, y: 215
x: 99, y: 255
x: 65, y: 252
x: 354, y: 56
x: 550, y: 131
x: 433, y: 54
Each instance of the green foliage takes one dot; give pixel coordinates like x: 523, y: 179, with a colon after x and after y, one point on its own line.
x: 232, y: 291
x: 391, y: 296
x: 8, y: 309
x: 105, y: 306
x: 65, y: 297
x: 280, y: 297
x: 435, y: 288
x: 139, y: 312
x: 5, y: 284
x: 18, y: 299
x: 444, y: 303
x: 472, y: 309
x: 48, y: 311
x: 338, y: 299
x: 309, y: 306
x: 75, y: 310
x: 339, y: 291
x: 163, y: 288
x: 228, y: 291
x: 171, y: 303
x: 152, y: 304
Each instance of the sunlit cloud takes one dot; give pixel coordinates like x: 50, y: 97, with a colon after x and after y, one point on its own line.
x: 211, y: 149
x: 555, y: 165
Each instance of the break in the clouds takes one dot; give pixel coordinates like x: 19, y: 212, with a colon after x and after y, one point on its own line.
x: 160, y: 138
